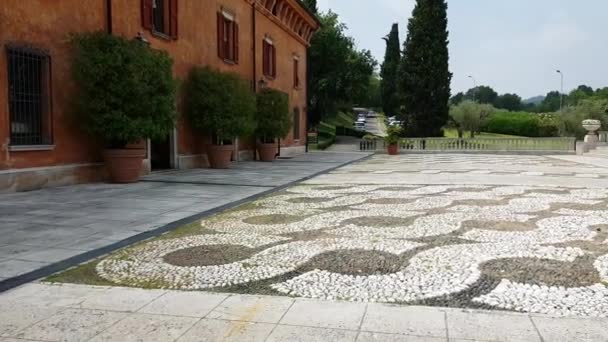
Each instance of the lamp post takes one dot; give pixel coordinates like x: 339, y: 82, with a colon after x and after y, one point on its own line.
x: 474, y: 87
x: 561, y: 93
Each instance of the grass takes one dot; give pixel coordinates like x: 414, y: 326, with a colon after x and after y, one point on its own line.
x: 453, y: 133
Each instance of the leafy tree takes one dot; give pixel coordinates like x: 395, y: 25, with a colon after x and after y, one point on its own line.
x: 272, y: 115
x: 457, y: 99
x: 373, y: 98
x: 424, y: 76
x: 311, y: 5
x: 511, y: 102
x: 470, y: 116
x: 585, y: 89
x: 482, y: 94
x: 339, y: 73
x: 390, y: 68
x: 551, y: 102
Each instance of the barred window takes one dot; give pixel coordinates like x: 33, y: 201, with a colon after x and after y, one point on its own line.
x: 29, y: 96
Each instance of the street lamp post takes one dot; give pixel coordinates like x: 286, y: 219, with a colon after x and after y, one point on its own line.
x: 561, y: 93
x: 474, y: 87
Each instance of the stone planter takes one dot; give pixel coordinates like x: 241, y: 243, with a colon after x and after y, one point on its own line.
x: 592, y: 126
x: 124, y: 165
x: 267, y: 152
x: 219, y: 156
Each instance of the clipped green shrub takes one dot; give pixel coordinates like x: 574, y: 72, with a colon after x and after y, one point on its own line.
x: 514, y: 123
x: 125, y: 91
x: 273, y: 117
x: 220, y: 104
x: 327, y: 131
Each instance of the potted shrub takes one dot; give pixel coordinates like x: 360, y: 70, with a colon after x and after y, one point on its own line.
x: 273, y: 121
x: 392, y: 140
x: 221, y: 105
x: 125, y: 94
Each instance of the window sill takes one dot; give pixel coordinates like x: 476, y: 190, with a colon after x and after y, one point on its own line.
x: 270, y: 78
x: 227, y: 61
x: 161, y: 35
x: 25, y: 148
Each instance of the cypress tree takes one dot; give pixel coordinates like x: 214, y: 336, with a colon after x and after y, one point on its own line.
x: 389, y: 72
x: 424, y: 77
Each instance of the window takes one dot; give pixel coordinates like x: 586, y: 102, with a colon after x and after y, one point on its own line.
x: 29, y: 100
x: 296, y: 123
x: 269, y: 58
x: 296, y: 72
x: 227, y: 37
x: 160, y: 17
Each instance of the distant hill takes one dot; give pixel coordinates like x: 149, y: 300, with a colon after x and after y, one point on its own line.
x: 534, y: 100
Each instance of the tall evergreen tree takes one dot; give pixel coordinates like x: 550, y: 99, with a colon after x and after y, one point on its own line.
x: 312, y: 5
x: 424, y: 76
x: 389, y: 72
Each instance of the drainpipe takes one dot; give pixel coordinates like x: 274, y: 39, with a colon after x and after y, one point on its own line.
x: 254, y: 59
x: 109, y: 16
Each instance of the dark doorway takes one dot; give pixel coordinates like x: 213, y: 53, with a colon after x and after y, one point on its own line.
x: 160, y: 154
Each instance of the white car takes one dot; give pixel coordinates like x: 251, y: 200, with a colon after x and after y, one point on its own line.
x: 359, y: 126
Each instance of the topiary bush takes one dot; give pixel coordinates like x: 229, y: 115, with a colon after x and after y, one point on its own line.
x: 125, y: 91
x: 273, y: 117
x: 220, y: 104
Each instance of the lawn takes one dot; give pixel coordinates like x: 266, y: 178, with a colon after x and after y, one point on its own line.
x: 453, y: 133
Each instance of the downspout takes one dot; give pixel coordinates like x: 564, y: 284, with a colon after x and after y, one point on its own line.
x: 255, y: 74
x: 109, y: 16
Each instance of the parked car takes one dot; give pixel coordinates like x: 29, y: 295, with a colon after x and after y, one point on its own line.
x: 359, y: 126
x: 371, y: 114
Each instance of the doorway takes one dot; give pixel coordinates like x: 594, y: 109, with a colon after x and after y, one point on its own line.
x: 161, y: 154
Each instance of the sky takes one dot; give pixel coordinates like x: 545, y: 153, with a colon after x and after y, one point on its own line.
x: 514, y: 46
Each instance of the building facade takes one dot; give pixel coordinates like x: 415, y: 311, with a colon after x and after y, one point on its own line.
x: 264, y: 41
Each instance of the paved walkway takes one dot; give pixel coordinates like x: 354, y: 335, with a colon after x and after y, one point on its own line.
x: 45, y: 227
x: 41, y: 312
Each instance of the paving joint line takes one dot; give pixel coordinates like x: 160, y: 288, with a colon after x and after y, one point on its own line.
x: 76, y: 260
x: 280, y: 319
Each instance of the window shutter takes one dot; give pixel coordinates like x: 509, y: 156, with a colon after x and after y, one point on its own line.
x: 173, y: 18
x: 146, y: 14
x: 220, y: 36
x: 235, y: 42
x: 296, y: 82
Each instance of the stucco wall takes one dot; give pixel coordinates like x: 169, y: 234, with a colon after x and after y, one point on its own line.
x: 46, y: 24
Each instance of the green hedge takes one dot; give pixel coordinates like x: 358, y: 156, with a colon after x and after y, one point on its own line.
x: 521, y: 124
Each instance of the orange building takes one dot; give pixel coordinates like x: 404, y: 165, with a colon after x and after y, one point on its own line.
x: 264, y: 41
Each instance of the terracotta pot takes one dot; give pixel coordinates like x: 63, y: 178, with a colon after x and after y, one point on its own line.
x: 219, y: 156
x: 267, y: 152
x: 393, y: 149
x: 124, y: 165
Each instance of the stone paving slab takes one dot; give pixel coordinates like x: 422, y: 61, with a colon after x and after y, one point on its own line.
x: 43, y: 227
x: 49, y: 312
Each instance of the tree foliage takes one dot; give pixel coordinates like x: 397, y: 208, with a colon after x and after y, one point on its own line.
x: 510, y: 102
x: 389, y: 72
x: 220, y: 104
x: 272, y: 115
x: 470, y: 116
x: 424, y: 76
x: 125, y: 90
x: 311, y: 5
x: 338, y: 72
x: 482, y: 94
